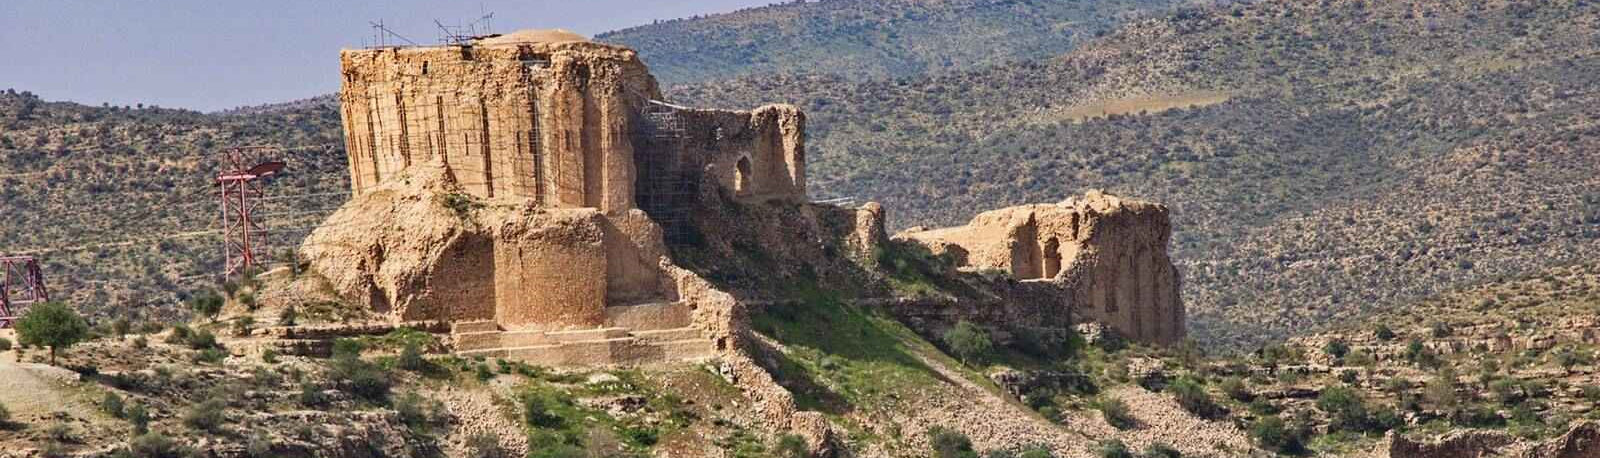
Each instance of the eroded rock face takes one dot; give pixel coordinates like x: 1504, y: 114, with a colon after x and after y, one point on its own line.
x: 419, y: 248
x: 1109, y: 251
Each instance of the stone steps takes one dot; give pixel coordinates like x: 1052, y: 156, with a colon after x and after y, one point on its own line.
x: 587, y: 347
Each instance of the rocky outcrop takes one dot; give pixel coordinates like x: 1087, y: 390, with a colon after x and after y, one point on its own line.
x: 1582, y: 441
x: 1109, y: 251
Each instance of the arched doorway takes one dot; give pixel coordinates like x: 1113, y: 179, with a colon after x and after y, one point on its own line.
x: 741, y: 177
x: 1052, y: 257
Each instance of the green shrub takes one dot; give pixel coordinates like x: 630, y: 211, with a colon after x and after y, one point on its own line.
x: 790, y: 446
x: 157, y: 445
x: 348, y: 348
x: 1384, y: 333
x: 288, y: 316
x: 1193, y: 397
x: 1234, y: 388
x: 180, y: 334
x: 483, y: 373
x: 311, y: 396
x: 112, y: 405
x: 969, y: 342
x: 1336, y: 348
x: 140, y: 343
x: 207, y: 304
x: 138, y: 417
x: 205, y: 416
x: 1036, y: 452
x: 486, y: 445
x: 1160, y: 450
x: 411, y: 358
x: 360, y: 378
x: 1114, y: 448
x: 52, y: 324
x: 5, y: 344
x: 5, y: 417
x: 1116, y: 412
x: 1271, y: 433
x: 948, y: 443
x: 259, y: 446
x: 539, y: 410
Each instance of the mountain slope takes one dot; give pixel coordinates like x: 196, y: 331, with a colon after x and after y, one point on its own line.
x: 1324, y: 157
x: 860, y: 38
x: 121, y: 204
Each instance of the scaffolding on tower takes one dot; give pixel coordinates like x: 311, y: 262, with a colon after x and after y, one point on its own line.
x: 665, y: 191
x: 23, y: 286
x: 244, y: 173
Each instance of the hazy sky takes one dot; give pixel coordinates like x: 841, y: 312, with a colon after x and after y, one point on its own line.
x: 214, y: 54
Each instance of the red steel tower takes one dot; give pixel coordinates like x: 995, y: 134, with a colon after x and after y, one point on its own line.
x: 23, y: 285
x: 241, y: 185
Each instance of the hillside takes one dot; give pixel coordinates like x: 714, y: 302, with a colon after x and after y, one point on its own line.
x: 121, y: 203
x: 866, y: 38
x: 1321, y: 158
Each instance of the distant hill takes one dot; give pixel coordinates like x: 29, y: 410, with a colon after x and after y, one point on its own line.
x: 862, y: 38
x: 1322, y: 158
x: 122, y: 206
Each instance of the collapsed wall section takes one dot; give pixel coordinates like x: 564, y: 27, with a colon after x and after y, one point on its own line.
x: 1110, y: 252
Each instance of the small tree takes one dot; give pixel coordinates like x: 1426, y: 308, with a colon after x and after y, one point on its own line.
x: 969, y: 342
x: 1336, y: 349
x: 207, y: 305
x: 54, y: 325
x: 948, y: 443
x: 1384, y: 333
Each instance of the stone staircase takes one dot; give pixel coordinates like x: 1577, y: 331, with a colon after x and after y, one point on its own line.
x: 582, y: 347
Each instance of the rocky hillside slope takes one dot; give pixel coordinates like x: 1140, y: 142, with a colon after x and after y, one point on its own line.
x: 866, y: 38
x: 1321, y: 158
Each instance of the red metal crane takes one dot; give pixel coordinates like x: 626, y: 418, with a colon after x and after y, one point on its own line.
x: 240, y: 182
x: 23, y: 286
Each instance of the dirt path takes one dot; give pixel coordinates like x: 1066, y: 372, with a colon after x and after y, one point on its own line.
x: 32, y: 391
x: 990, y: 420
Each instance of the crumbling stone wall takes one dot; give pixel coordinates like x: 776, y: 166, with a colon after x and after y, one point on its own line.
x: 554, y: 120
x: 1110, y: 252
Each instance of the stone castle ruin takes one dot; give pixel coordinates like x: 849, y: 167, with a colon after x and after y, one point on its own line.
x: 527, y: 191
x: 1110, y: 254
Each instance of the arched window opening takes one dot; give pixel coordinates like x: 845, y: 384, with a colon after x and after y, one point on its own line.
x: 741, y: 177
x: 1052, y: 257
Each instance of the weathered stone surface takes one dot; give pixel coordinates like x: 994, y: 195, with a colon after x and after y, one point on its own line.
x: 1109, y: 251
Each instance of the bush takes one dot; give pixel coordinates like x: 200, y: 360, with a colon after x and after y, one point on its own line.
x: 538, y: 410
x: 360, y: 378
x: 207, y: 304
x: 1336, y: 348
x: 486, y: 445
x: 5, y: 344
x: 287, y: 316
x: 140, y: 343
x: 156, y: 445
x: 311, y: 396
x: 1384, y: 333
x: 5, y: 417
x: 180, y: 334
x: 112, y: 405
x: 1440, y: 330
x: 1348, y: 412
x: 52, y: 324
x: 948, y: 443
x: 1114, y: 448
x: 790, y: 446
x: 1160, y: 450
x: 259, y: 446
x: 138, y: 417
x: 1273, y: 434
x: 411, y: 358
x: 348, y: 348
x: 1116, y: 412
x: 1234, y: 388
x: 1193, y: 397
x: 969, y: 342
x: 205, y: 416
x: 203, y: 340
